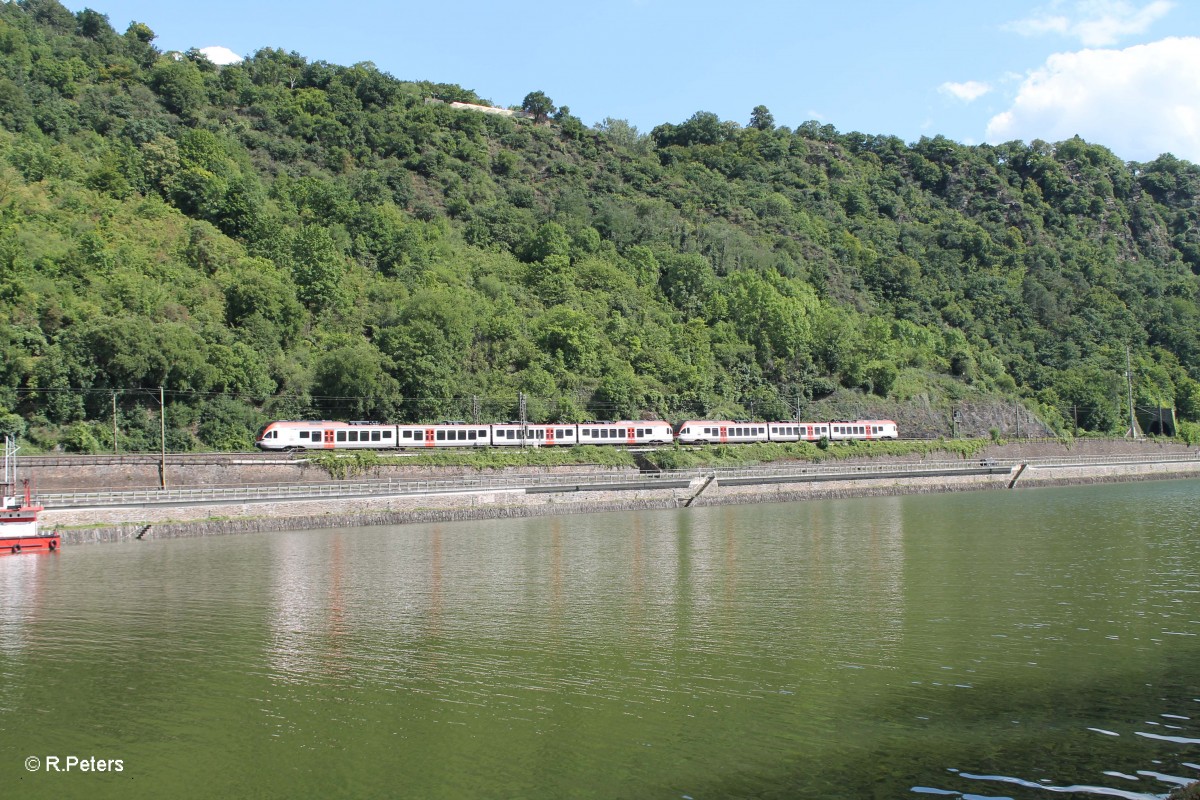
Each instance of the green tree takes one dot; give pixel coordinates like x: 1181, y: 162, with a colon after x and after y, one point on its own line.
x: 352, y: 378
x: 179, y: 84
x: 538, y: 106
x: 762, y: 119
x: 318, y: 268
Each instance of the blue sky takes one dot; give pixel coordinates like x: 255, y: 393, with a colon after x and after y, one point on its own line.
x: 1122, y: 73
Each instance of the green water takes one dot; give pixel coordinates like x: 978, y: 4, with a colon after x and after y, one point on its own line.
x: 996, y: 644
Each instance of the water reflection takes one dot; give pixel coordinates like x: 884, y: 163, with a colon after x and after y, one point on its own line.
x: 965, y: 645
x: 22, y: 581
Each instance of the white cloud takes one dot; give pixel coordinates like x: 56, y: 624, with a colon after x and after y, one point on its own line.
x: 220, y: 55
x: 1096, y: 23
x: 967, y: 91
x: 1139, y: 102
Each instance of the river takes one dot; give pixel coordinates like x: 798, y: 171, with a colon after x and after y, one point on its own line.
x: 991, y: 644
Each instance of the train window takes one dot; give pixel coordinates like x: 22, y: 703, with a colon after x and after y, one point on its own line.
x: 374, y: 436
x: 303, y: 434
x: 471, y: 435
x: 341, y: 436
x: 441, y: 436
x: 387, y: 434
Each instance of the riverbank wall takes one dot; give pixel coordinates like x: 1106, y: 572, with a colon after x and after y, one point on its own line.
x: 624, y: 490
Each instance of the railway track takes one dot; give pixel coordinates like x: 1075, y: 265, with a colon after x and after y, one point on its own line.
x: 548, y: 483
x: 220, y: 458
x: 268, y: 457
x: 172, y: 459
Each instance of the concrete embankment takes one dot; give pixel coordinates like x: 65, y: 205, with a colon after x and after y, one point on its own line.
x: 619, y: 490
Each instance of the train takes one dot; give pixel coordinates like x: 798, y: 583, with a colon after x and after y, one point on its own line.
x: 330, y: 435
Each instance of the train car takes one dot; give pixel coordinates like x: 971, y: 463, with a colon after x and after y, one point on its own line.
x: 516, y: 434
x: 444, y: 434
x: 626, y: 432
x: 721, y: 432
x: 863, y: 429
x: 330, y: 435
x: 325, y: 435
x: 797, y: 431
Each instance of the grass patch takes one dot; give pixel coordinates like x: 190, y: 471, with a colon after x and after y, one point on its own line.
x: 341, y: 466
x: 351, y: 464
x: 750, y: 455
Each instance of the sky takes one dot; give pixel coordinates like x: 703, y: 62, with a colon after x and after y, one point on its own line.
x: 1121, y: 73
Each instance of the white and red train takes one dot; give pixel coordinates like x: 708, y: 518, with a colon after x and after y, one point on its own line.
x: 327, y: 435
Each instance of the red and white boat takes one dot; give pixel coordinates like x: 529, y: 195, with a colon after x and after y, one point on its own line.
x: 18, y: 515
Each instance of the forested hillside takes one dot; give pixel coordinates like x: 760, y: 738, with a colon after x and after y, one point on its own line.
x: 285, y: 238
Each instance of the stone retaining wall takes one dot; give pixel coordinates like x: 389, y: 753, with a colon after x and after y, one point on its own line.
x: 153, y: 521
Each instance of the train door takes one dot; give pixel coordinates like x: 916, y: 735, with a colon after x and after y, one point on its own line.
x: 429, y: 437
x: 327, y: 440
x: 630, y: 436
x: 724, y: 435
x: 549, y: 436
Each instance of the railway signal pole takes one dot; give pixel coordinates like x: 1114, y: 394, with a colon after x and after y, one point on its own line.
x: 524, y: 424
